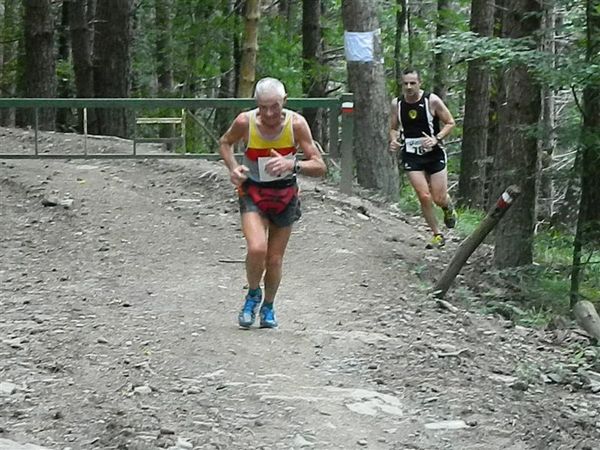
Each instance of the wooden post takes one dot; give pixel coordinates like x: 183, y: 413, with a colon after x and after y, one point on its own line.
x: 347, y: 164
x: 468, y: 246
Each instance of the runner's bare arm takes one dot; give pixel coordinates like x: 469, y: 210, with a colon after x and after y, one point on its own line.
x: 441, y: 111
x: 313, y: 164
x: 236, y: 132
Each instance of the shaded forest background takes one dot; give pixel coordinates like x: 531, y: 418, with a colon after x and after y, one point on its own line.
x: 522, y: 78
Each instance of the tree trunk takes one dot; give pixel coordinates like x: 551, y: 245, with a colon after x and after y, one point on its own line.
x: 9, y: 45
x: 39, y: 69
x: 313, y: 79
x: 81, y: 41
x: 545, y: 199
x: 164, y: 58
x: 516, y: 158
x: 401, y: 16
x: 409, y: 35
x: 286, y: 12
x: 164, y: 47
x: 375, y: 166
x: 440, y: 60
x: 112, y: 77
x: 2, y: 40
x: 64, y: 115
x: 587, y: 236
x: 471, y: 183
x: 224, y: 116
x: 249, y: 49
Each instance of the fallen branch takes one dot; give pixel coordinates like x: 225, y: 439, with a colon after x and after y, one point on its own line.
x: 446, y: 305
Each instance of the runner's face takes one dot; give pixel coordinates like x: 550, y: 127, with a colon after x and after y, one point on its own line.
x: 270, y: 108
x: 411, y: 85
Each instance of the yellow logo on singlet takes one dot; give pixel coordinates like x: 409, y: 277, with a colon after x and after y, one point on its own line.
x: 412, y: 114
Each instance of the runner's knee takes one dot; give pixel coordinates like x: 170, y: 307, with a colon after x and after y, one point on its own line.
x: 257, y: 250
x: 424, y: 197
x: 274, y: 262
x: 440, y: 199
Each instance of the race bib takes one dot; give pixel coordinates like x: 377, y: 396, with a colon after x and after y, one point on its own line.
x: 414, y: 145
x: 262, y: 171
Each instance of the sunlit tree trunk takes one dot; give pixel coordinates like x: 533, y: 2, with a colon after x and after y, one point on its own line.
x: 249, y: 49
x: 112, y: 76
x: 375, y: 167
x: 516, y: 157
x: 475, y: 127
x: 39, y: 69
x: 587, y: 236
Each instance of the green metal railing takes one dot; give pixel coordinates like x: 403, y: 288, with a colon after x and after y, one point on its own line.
x: 340, y: 142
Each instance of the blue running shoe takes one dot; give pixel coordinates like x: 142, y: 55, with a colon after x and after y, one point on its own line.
x: 248, y: 312
x: 267, y: 317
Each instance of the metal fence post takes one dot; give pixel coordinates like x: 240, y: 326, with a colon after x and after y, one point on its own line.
x: 85, y: 131
x: 334, y: 131
x: 36, y: 119
x: 347, y: 146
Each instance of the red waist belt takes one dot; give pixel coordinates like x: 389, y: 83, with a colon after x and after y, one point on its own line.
x: 271, y: 200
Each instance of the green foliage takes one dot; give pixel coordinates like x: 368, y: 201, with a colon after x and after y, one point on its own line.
x: 408, y: 201
x: 468, y: 221
x: 568, y: 67
x: 540, y: 292
x: 279, y: 46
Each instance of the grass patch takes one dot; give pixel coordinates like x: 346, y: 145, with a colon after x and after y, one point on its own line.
x: 468, y: 221
x: 541, y: 291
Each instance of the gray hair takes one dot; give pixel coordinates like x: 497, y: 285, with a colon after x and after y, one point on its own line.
x: 269, y: 85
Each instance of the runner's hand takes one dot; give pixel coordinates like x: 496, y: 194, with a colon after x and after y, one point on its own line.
x: 278, y: 164
x: 394, y: 146
x: 429, y: 141
x: 239, y: 175
x: 395, y: 142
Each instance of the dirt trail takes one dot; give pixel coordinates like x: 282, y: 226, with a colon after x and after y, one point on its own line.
x: 118, y: 324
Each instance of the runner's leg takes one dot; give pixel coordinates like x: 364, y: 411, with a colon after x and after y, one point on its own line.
x: 278, y: 240
x: 418, y: 180
x: 254, y: 227
x: 438, y: 183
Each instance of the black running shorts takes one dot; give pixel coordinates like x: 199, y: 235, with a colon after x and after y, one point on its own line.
x: 430, y: 163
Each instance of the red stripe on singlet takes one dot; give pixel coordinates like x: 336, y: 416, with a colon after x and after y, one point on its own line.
x: 255, y: 153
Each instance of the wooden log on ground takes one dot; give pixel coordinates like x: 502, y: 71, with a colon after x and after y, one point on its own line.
x: 587, y: 318
x: 468, y: 246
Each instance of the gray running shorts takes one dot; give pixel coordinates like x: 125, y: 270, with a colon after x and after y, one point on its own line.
x: 290, y: 214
